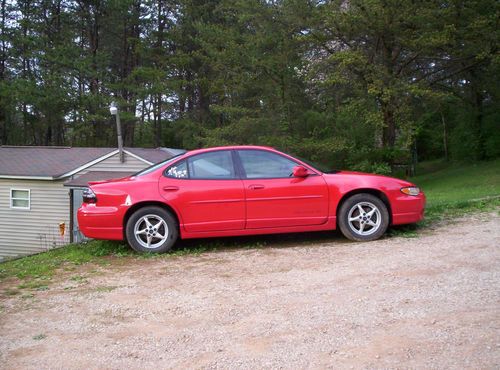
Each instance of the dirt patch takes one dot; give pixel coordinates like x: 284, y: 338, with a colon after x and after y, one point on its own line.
x: 426, y: 302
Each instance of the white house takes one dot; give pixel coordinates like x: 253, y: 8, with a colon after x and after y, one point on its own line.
x: 40, y: 190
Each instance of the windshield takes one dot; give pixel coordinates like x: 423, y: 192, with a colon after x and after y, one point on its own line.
x: 154, y: 167
x: 319, y: 166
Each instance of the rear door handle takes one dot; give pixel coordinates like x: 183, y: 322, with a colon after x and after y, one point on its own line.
x: 170, y: 188
x: 256, y: 187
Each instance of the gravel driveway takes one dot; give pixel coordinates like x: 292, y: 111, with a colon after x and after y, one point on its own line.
x: 426, y: 302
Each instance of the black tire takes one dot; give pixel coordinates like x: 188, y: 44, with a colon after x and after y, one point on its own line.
x: 352, y: 221
x: 153, y: 226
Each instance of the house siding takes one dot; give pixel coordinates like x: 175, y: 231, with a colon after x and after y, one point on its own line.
x: 113, y: 164
x: 24, y: 232
x: 33, y: 230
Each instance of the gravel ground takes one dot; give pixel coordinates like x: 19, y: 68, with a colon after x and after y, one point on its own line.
x: 426, y: 302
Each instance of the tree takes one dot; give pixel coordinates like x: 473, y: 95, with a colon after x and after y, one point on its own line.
x: 358, y: 83
x: 387, y: 49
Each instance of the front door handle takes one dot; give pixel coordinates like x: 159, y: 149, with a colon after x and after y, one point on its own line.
x: 170, y: 188
x: 256, y: 187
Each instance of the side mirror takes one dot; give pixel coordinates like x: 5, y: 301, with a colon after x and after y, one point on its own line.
x: 300, y: 171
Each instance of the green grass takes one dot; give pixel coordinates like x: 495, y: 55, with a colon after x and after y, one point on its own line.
x: 40, y: 268
x: 451, y: 190
x: 459, y: 188
x: 454, y: 189
x: 105, y: 289
x: 36, y: 272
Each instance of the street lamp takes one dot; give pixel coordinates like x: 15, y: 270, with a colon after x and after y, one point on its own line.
x: 113, y: 109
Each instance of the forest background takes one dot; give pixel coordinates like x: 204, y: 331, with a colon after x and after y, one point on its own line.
x: 367, y: 85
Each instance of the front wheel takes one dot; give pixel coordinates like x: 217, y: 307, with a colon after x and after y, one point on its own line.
x: 363, y: 217
x: 151, y: 229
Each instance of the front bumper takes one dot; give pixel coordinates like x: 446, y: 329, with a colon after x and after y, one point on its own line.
x: 408, y: 209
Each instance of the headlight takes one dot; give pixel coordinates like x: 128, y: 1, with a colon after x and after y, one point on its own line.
x: 411, y: 190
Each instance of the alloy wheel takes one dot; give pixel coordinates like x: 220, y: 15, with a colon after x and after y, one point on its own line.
x: 151, y: 231
x: 364, y: 218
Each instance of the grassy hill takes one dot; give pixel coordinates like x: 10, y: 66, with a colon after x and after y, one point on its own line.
x: 458, y: 186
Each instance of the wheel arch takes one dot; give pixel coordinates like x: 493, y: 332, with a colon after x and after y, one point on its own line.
x: 140, y: 205
x: 375, y: 192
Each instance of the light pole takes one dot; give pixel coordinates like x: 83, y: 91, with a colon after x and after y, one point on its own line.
x: 113, y: 109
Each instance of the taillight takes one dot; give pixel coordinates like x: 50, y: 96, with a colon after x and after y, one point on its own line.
x: 89, y: 196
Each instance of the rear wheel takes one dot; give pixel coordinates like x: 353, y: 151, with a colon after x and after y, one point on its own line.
x: 363, y: 217
x: 151, y: 229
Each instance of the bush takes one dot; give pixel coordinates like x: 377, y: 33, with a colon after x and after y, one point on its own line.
x: 380, y: 168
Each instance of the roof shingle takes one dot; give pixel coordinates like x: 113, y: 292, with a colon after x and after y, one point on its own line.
x: 55, y: 162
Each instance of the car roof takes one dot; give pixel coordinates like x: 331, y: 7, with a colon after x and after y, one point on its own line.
x: 230, y: 147
x: 256, y: 147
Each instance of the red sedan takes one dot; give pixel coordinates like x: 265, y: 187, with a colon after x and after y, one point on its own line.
x: 243, y: 190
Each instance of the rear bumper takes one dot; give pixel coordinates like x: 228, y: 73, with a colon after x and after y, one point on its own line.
x: 100, y: 222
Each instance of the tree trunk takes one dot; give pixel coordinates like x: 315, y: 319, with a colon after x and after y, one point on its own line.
x: 445, y: 137
x: 48, y: 136
x: 389, y: 131
x: 203, y: 105
x: 158, y: 65
x: 478, y: 125
x: 3, y: 57
x: 158, y: 122
x: 190, y: 93
x: 93, y: 36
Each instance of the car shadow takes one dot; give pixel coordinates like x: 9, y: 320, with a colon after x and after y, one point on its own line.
x: 261, y: 241
x: 288, y: 240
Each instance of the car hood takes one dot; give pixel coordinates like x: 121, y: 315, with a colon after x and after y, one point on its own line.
x: 371, y: 177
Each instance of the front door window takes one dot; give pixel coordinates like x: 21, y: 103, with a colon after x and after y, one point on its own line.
x: 259, y: 164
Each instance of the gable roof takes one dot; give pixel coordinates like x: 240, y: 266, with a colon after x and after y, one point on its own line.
x: 83, y: 180
x: 154, y: 155
x: 48, y: 163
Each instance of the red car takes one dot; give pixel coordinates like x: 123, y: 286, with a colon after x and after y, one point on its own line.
x: 243, y: 190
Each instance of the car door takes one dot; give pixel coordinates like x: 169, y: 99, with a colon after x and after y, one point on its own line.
x: 206, y: 191
x: 274, y: 198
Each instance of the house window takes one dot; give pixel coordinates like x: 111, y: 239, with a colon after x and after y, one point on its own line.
x: 20, y: 198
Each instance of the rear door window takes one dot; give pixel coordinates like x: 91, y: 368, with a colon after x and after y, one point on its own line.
x: 216, y: 165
